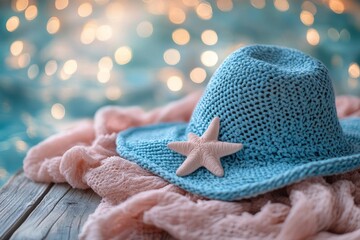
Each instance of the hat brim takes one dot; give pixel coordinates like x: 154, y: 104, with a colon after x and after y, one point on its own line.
x: 147, y: 146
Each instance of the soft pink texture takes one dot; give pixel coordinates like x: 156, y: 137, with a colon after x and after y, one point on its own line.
x: 139, y: 205
x: 348, y: 106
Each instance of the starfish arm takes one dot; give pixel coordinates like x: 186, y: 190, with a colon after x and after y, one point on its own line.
x: 193, y: 137
x: 204, y: 151
x: 221, y: 149
x: 212, y: 133
x: 190, y: 165
x: 184, y: 148
x: 213, y: 164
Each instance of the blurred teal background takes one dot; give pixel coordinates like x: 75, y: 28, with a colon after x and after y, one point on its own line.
x: 61, y: 60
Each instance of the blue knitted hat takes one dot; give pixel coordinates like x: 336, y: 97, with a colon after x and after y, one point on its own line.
x: 279, y: 103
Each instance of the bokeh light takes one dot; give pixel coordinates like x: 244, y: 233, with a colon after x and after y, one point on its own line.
x: 204, y: 11
x: 31, y: 12
x: 123, y: 55
x: 190, y: 3
x: 21, y: 146
x: 209, y: 37
x: 85, y: 9
x: 53, y: 25
x: 33, y: 71
x: 51, y: 67
x: 144, y: 29
x: 88, y: 33
x: 61, y: 4
x: 105, y: 63
x: 23, y: 60
x: 313, y: 37
x: 307, y: 18
x: 209, y: 58
x: 103, y: 76
x: 175, y: 83
x: 113, y: 93
x: 337, y: 6
x: 198, y: 75
x: 104, y: 33
x: 172, y: 56
x: 114, y: 11
x: 58, y: 111
x: 16, y: 48
x: 259, y: 4
x: 21, y: 5
x: 354, y: 70
x: 333, y: 34
x: 345, y: 35
x: 181, y: 36
x: 63, y: 75
x: 309, y: 6
x: 12, y: 23
x: 224, y: 5
x: 70, y: 67
x: 281, y: 5
x: 177, y: 15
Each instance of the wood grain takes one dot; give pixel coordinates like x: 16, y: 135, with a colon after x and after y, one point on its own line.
x: 18, y: 198
x: 60, y: 214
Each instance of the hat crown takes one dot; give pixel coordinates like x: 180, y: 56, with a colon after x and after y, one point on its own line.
x: 277, y: 101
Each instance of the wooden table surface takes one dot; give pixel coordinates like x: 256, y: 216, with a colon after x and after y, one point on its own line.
x: 31, y: 210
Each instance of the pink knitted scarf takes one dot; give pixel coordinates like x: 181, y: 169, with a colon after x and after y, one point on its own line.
x: 139, y: 205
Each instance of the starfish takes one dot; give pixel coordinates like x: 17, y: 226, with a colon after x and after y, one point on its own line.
x: 204, y: 151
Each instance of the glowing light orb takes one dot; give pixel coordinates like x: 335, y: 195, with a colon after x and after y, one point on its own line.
x: 172, y: 56
x: 31, y: 13
x: 58, y: 111
x: 174, y: 83
x: 70, y: 67
x: 307, y: 18
x: 198, y: 75
x: 209, y: 58
x: 144, y: 29
x: 12, y: 23
x: 204, y: 11
x: 123, y: 55
x: 313, y: 37
x: 16, y: 48
x: 354, y: 70
x: 181, y: 36
x: 209, y: 37
x: 53, y: 25
x: 85, y: 9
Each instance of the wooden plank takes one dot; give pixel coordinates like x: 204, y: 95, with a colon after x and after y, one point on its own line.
x: 60, y: 215
x: 18, y: 198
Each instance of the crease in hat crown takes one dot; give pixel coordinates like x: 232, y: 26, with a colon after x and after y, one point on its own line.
x: 277, y: 101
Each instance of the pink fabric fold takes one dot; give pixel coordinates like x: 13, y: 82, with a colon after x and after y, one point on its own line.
x: 347, y: 106
x: 139, y: 205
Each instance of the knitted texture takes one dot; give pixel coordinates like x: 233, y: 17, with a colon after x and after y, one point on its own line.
x: 279, y: 103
